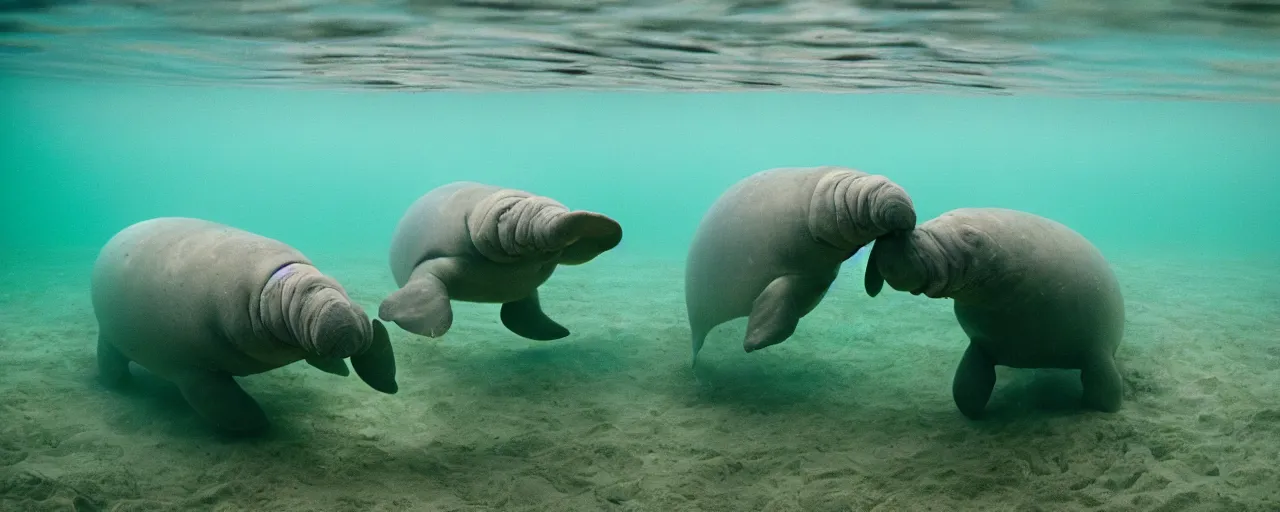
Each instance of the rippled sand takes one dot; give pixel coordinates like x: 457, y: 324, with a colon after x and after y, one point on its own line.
x: 852, y: 413
x: 1207, y: 49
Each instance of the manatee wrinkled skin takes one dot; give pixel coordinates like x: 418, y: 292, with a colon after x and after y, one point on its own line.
x: 198, y: 303
x: 772, y: 244
x: 1029, y: 292
x: 481, y: 243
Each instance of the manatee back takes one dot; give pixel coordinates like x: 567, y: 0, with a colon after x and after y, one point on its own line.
x: 1033, y: 248
x: 758, y: 219
x: 435, y: 226
x: 169, y: 290
x: 1042, y: 280
x: 756, y: 231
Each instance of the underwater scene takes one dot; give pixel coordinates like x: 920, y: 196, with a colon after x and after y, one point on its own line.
x: 639, y: 255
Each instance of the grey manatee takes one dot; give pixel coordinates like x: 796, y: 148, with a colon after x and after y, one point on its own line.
x: 1028, y: 291
x: 772, y: 244
x: 481, y: 243
x: 197, y: 302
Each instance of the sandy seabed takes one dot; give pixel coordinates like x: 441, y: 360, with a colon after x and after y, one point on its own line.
x: 854, y: 412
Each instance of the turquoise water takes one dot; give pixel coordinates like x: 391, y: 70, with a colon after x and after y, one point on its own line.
x: 853, y: 412
x: 333, y: 171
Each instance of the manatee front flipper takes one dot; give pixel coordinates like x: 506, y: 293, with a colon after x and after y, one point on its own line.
x: 220, y: 400
x: 873, y: 281
x: 377, y: 366
x: 525, y: 318
x: 699, y: 338
x: 777, y: 311
x: 421, y: 307
x: 975, y: 379
x: 334, y: 366
x: 1103, y: 385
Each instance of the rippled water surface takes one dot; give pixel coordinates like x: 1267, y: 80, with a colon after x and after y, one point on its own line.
x: 1210, y: 49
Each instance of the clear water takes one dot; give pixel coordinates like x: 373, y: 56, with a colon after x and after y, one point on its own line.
x: 1151, y: 128
x: 333, y: 171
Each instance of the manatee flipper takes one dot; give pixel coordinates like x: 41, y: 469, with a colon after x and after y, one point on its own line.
x: 1103, y: 385
x: 113, y: 366
x: 420, y: 307
x: 777, y: 310
x: 377, y: 366
x: 872, y: 280
x: 699, y: 338
x: 328, y: 365
x: 525, y: 318
x: 974, y: 380
x: 220, y: 400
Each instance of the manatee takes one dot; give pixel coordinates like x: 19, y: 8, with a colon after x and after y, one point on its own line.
x: 772, y: 244
x: 482, y: 243
x: 198, y: 303
x: 1028, y: 291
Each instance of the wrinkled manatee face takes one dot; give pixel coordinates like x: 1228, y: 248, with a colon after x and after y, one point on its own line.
x: 893, y: 209
x: 337, y: 328
x: 898, y: 263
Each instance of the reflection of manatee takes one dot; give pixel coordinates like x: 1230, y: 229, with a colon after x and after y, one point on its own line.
x: 772, y: 244
x: 1029, y: 292
x: 480, y: 243
x: 196, y: 303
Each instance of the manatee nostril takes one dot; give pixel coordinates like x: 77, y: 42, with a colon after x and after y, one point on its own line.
x: 350, y: 342
x: 899, y: 215
x: 338, y: 332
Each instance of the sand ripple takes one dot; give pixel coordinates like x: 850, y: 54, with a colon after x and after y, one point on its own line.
x: 852, y: 413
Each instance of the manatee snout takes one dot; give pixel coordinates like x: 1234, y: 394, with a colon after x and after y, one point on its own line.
x: 583, y: 235
x: 892, y: 262
x: 339, y: 328
x: 891, y: 208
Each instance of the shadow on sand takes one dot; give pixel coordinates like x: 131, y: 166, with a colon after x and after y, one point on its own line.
x: 151, y: 402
